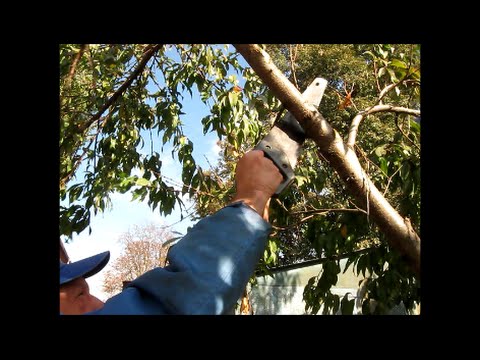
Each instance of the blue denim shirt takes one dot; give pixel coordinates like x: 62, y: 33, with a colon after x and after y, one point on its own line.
x: 207, y: 272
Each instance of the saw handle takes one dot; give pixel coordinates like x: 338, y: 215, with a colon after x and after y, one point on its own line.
x: 280, y: 161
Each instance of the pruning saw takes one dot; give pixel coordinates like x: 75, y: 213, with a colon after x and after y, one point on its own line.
x: 284, y: 142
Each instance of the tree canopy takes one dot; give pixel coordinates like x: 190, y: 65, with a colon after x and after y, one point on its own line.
x: 109, y: 115
x: 144, y: 248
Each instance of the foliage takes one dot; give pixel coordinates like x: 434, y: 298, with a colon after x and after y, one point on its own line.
x: 116, y: 153
x: 100, y: 155
x: 143, y: 249
x: 388, y: 148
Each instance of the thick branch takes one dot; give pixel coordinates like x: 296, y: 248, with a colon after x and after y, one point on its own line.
x: 343, y: 159
x: 352, y: 133
x: 391, y: 108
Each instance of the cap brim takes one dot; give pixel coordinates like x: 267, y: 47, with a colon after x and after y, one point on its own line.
x: 83, y: 268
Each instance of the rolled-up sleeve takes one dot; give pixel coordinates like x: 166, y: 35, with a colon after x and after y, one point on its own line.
x: 208, y: 268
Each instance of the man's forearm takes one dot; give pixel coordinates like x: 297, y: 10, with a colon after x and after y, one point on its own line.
x: 221, y: 253
x: 258, y: 201
x: 208, y: 268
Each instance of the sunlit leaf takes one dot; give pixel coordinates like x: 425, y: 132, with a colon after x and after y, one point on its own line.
x: 142, y: 182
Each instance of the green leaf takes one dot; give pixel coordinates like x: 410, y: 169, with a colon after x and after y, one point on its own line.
x: 349, y: 262
x: 414, y: 125
x: 301, y: 180
x: 232, y: 98
x: 381, y: 72
x: 362, y: 264
x: 399, y: 64
x: 369, y: 53
x: 142, y: 182
x: 384, y: 53
x: 384, y: 165
x: 366, y: 307
x: 346, y: 305
x: 380, y: 151
x: 405, y: 171
x: 393, y: 77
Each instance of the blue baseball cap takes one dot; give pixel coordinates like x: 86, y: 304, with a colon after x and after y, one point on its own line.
x: 83, y: 268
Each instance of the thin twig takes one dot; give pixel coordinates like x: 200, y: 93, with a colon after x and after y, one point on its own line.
x: 293, y: 57
x: 388, y: 88
x: 411, y: 58
x: 320, y: 155
x: 69, y: 175
x: 375, y: 72
x: 321, y: 211
x: 311, y: 214
x: 405, y: 135
x: 181, y: 185
x: 367, y: 183
x: 368, y: 161
x: 281, y: 204
x: 361, y: 210
x: 185, y: 217
x: 213, y: 171
x: 64, y: 181
x: 390, y: 179
x: 73, y: 67
x: 278, y: 228
x: 92, y: 69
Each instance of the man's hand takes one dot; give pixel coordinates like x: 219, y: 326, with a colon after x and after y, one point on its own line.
x: 256, y: 179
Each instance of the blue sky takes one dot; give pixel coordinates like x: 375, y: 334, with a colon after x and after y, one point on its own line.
x: 108, y: 226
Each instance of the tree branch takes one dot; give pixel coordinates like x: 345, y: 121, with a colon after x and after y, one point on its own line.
x: 388, y: 88
x: 322, y: 211
x: 73, y: 67
x: 384, y: 92
x: 392, y: 108
x: 405, y: 135
x: 375, y: 73
x: 390, y: 179
x: 342, y: 158
x: 312, y: 213
x: 293, y: 225
x: 293, y: 57
x: 64, y: 181
x: 147, y: 55
x: 352, y: 132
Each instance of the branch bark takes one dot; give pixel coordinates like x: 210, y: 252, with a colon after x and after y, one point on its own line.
x: 342, y: 158
x: 352, y: 133
x: 293, y: 57
x: 147, y: 55
x: 73, y: 67
x: 321, y: 211
x: 405, y: 135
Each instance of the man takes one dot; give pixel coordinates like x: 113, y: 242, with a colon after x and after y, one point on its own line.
x: 208, y: 268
